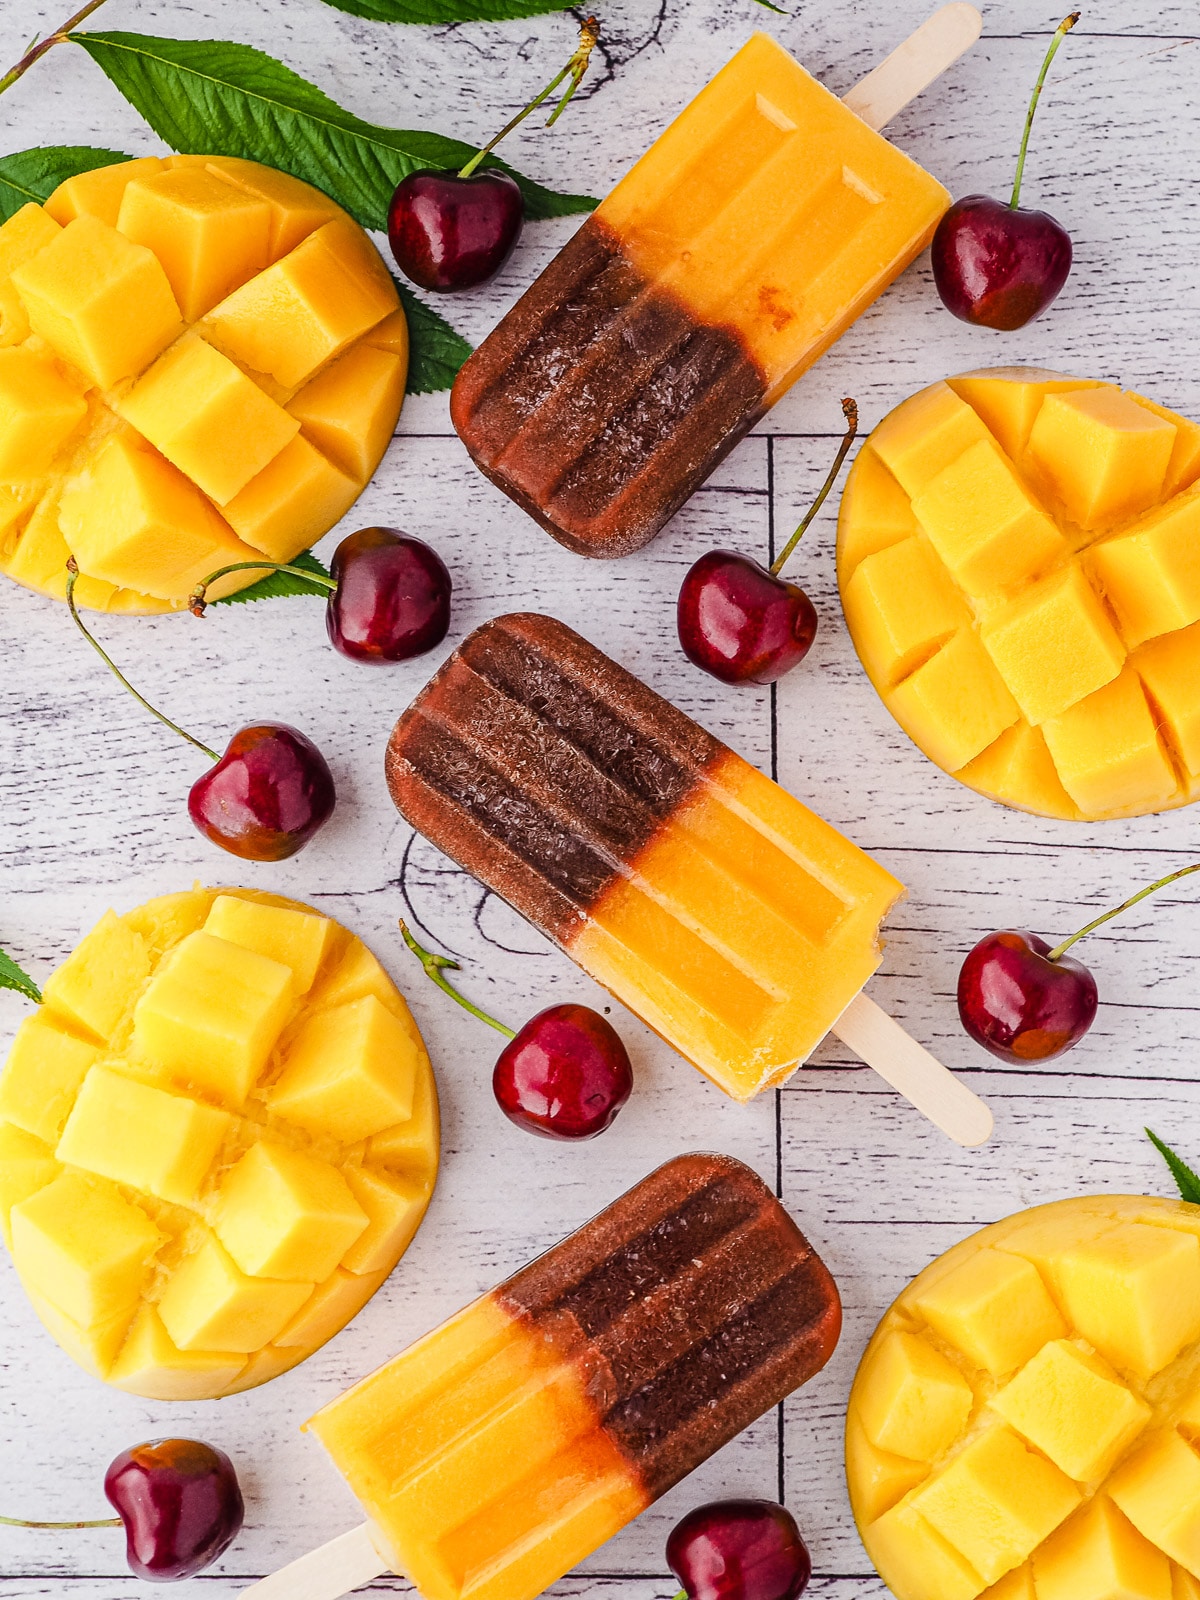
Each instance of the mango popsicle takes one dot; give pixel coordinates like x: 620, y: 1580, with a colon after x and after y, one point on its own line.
x: 765, y: 219
x: 734, y: 921
x: 500, y: 1450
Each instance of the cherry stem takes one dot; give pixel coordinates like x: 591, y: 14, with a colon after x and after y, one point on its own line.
x: 198, y: 599
x: 1172, y: 877
x: 1060, y: 34
x: 39, y: 48
x: 72, y: 579
x: 22, y: 1522
x: 589, y: 37
x: 850, y: 412
x: 436, y: 968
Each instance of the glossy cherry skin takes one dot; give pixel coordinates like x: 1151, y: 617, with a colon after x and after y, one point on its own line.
x: 739, y: 1550
x: 180, y: 1503
x: 450, y: 233
x: 565, y: 1075
x: 1020, y: 1006
x: 997, y: 267
x: 740, y: 622
x: 267, y: 796
x: 392, y: 599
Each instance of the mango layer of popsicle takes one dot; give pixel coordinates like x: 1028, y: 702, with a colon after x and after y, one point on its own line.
x: 732, y: 919
x: 760, y: 225
x: 500, y: 1450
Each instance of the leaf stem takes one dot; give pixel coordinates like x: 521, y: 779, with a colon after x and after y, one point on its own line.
x: 22, y: 1522
x: 1172, y: 877
x: 198, y: 599
x: 436, y: 968
x: 850, y: 412
x: 589, y: 37
x: 72, y: 579
x: 39, y: 48
x: 1060, y: 34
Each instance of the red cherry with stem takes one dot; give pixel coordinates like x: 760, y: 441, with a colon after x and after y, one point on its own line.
x: 1025, y: 1001
x: 454, y: 230
x: 739, y: 1550
x: 1000, y: 265
x: 565, y: 1075
x: 742, y: 622
x: 265, y: 797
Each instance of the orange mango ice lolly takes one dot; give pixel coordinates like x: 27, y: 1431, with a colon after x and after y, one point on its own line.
x: 499, y: 1451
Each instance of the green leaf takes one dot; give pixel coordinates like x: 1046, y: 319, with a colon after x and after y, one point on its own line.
x: 11, y: 977
x: 435, y: 351
x: 209, y: 97
x: 1187, y: 1180
x: 278, y: 585
x: 35, y: 174
x: 447, y: 10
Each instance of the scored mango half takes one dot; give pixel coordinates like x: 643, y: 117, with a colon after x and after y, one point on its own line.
x: 1019, y: 565
x: 202, y: 361
x: 1025, y: 1423
x: 218, y: 1136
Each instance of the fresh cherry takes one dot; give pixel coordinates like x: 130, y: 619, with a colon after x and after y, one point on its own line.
x: 454, y: 230
x: 998, y: 265
x: 392, y: 597
x: 742, y: 622
x: 266, y: 796
x: 1025, y: 1001
x: 565, y: 1075
x: 180, y: 1503
x: 739, y: 1550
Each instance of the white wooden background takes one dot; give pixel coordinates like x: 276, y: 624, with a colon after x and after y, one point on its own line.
x: 92, y: 793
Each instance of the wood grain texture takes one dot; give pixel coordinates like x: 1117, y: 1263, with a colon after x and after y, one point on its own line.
x: 92, y: 793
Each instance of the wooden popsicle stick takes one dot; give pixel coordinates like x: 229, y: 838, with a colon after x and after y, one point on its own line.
x: 908, y: 1067
x: 913, y: 65
x: 337, y: 1568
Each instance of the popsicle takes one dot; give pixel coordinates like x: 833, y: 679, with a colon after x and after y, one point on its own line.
x: 765, y: 219
x: 733, y: 920
x: 497, y: 1452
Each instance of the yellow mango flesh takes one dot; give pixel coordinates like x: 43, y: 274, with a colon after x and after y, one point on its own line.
x: 1019, y: 564
x: 1072, y: 1472
x: 246, y: 333
x: 179, y: 1233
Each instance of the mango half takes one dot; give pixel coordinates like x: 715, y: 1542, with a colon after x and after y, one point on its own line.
x: 218, y: 1135
x: 1025, y: 1423
x: 1019, y: 565
x: 202, y: 360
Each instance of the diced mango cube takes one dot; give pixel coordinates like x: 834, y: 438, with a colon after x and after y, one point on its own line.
x: 360, y: 973
x: 300, y: 313
x: 875, y: 513
x: 1098, y: 1554
x: 920, y: 439
x: 878, y: 1478
x: 210, y: 236
x: 152, y: 1365
x: 331, y: 1307
x: 39, y: 411
x: 1008, y: 399
x: 1183, y: 1585
x: 208, y: 419
x: 102, y: 302
x: 284, y: 1214
x: 291, y: 502
x: 1054, y: 645
x: 209, y: 1304
x: 1017, y: 769
x: 913, y: 1401
x: 1158, y: 1489
x: 1134, y: 1293
x: 919, y: 1562
x: 25, y: 233
x: 298, y: 939
x: 99, y: 193
x: 1105, y: 455
x: 984, y: 524
x: 40, y: 558
x: 1108, y: 751
x: 80, y: 1245
x: 407, y: 1144
x: 994, y: 1308
x: 1169, y: 670
x: 263, y: 1367
x: 346, y: 410
x: 1150, y: 576
x: 26, y: 1165
x: 996, y: 1502
x: 99, y: 980
x: 956, y: 703
x: 212, y: 1014
x: 1184, y: 466
x: 141, y: 1136
x: 395, y: 1206
x: 1014, y: 1585
x: 1073, y: 1408
x: 93, y: 1347
x: 900, y: 607
x: 392, y: 334
x: 349, y: 1071
x: 297, y: 209
x: 42, y: 1076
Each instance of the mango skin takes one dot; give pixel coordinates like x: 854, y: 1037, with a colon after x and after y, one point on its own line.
x: 1076, y: 1474
x: 179, y: 1236
x: 1019, y: 566
x: 117, y: 301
